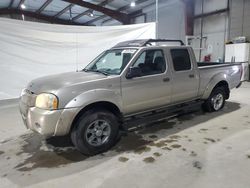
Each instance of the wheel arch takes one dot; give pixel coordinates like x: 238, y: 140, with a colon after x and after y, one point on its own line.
x: 219, y: 80
x: 225, y: 85
x: 100, y: 104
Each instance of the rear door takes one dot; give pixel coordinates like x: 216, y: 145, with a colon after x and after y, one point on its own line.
x: 184, y: 74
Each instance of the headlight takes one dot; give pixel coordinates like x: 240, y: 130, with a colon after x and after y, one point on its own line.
x: 47, y: 101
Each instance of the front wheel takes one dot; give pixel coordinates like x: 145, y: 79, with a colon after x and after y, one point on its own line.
x: 216, y: 100
x: 95, y: 131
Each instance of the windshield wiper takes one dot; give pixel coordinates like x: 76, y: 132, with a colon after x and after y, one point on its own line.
x: 98, y: 71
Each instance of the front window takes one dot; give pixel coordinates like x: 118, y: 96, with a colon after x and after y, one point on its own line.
x: 111, y: 62
x: 151, y: 62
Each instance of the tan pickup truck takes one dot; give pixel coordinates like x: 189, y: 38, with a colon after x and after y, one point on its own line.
x: 135, y: 81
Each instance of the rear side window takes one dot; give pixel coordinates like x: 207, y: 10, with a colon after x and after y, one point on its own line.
x: 181, y: 59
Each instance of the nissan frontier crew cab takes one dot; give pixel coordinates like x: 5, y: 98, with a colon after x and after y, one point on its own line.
x: 135, y: 81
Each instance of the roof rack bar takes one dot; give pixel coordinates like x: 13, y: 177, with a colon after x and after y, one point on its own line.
x: 163, y: 40
x: 144, y: 42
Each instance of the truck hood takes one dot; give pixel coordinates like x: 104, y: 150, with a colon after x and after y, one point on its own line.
x: 54, y: 82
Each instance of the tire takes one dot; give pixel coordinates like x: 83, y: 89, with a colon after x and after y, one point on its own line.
x: 216, y: 100
x: 95, y: 131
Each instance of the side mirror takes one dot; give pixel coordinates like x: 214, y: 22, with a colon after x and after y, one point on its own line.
x: 133, y: 72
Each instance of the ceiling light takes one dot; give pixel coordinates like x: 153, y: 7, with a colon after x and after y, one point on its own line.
x: 23, y: 6
x: 132, y: 4
x: 91, y: 14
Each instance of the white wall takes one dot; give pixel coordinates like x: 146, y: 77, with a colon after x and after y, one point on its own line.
x: 30, y: 50
x: 171, y: 19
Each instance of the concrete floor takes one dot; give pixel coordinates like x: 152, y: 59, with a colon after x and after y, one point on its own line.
x: 192, y: 151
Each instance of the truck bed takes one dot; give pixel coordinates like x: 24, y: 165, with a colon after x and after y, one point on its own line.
x: 211, y: 69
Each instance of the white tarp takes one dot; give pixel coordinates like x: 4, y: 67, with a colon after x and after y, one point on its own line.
x: 29, y: 50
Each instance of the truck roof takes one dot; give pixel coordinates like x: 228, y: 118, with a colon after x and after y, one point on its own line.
x: 146, y: 42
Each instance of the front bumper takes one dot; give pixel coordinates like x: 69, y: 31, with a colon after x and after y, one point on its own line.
x: 47, y: 122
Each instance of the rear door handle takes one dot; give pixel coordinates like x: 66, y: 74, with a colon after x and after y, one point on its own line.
x: 191, y: 76
x: 166, y: 79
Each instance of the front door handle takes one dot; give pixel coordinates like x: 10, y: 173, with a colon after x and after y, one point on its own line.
x: 191, y: 76
x: 166, y: 79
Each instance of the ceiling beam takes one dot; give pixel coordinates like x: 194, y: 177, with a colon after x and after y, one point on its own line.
x: 121, y: 17
x: 82, y: 14
x: 132, y: 16
x: 63, y: 10
x: 11, y: 3
x: 20, y: 3
x: 126, y: 7
x: 89, y: 10
x: 50, y: 19
x: 220, y: 11
x: 95, y: 20
x: 43, y: 6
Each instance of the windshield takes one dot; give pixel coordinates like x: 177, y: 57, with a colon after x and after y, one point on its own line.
x: 111, y: 62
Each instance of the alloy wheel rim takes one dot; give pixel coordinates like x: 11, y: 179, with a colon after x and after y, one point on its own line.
x: 98, y: 133
x: 217, y: 101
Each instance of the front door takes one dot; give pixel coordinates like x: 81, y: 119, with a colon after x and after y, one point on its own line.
x: 152, y: 88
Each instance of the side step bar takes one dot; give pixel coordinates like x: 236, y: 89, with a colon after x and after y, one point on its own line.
x: 134, y: 122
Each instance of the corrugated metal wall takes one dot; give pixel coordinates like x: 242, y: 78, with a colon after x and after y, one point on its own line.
x: 214, y: 29
x: 222, y: 27
x: 239, y: 16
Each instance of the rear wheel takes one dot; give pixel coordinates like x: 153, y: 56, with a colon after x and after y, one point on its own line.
x: 95, y: 131
x: 216, y: 100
